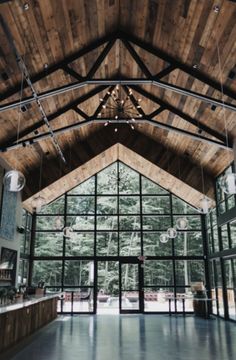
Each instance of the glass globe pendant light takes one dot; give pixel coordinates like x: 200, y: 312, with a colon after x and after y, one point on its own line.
x: 171, y: 233
x: 38, y: 202
x: 182, y: 224
x: 164, y: 238
x: 14, y: 181
x: 228, y: 183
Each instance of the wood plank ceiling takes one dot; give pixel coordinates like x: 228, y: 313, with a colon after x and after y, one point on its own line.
x: 192, y: 32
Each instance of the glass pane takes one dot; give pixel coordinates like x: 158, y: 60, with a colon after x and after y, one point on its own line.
x: 80, y: 243
x: 231, y: 202
x: 86, y: 188
x: 55, y: 207
x: 194, y: 222
x: 181, y: 207
x: 233, y: 234
x: 80, y: 222
x: 47, y: 271
x: 184, y: 301
x: 107, y: 205
x: 188, y: 271
x: 153, y: 247
x: 128, y: 180
x: 48, y: 244
x: 23, y: 272
x: 130, y: 300
x: 129, y: 222
x: 78, y: 300
x: 108, y: 287
x: 224, y: 237
x: 156, y: 222
x: 230, y: 269
x: 158, y: 299
x: 129, y: 276
x: 158, y: 272
x: 80, y: 204
x: 107, y: 223
x: 79, y: 273
x: 130, y: 244
x: 215, y: 239
x: 107, y: 180
x: 188, y: 244
x: 149, y: 187
x: 129, y: 204
x: 107, y: 244
x: 48, y: 222
x: 156, y: 204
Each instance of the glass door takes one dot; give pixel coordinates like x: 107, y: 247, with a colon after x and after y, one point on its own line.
x: 131, y: 297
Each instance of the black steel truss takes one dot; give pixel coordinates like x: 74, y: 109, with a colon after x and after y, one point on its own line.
x: 107, y: 42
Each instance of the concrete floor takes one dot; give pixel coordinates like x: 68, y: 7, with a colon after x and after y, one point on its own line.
x: 131, y: 337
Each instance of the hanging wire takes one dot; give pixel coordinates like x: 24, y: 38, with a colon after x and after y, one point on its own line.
x: 222, y: 97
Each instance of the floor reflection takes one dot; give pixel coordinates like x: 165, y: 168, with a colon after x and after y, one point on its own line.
x: 132, y: 337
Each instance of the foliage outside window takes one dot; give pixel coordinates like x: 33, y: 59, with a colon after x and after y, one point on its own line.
x: 116, y: 213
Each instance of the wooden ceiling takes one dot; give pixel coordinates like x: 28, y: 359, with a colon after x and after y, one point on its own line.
x: 187, y: 37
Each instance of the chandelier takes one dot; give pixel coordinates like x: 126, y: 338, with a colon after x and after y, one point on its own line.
x: 120, y: 107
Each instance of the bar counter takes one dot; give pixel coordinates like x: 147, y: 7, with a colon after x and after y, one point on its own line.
x: 20, y: 320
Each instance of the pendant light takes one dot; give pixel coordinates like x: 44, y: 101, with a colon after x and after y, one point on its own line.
x: 171, y: 233
x: 164, y: 238
x: 14, y: 181
x: 182, y: 223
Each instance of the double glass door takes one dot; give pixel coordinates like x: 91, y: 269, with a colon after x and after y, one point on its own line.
x: 130, y: 283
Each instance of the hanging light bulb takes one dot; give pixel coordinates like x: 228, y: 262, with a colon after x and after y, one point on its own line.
x: 164, y: 238
x: 38, y: 202
x: 204, y: 205
x: 228, y: 183
x: 68, y: 231
x: 171, y: 233
x: 14, y: 181
x: 182, y: 224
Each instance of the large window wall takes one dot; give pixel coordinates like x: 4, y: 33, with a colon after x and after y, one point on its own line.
x: 25, y: 241
x: 222, y: 251
x: 115, y: 214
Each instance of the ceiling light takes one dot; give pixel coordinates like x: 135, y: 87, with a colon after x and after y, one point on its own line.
x: 216, y: 8
x: 171, y: 233
x: 164, y: 238
x: 26, y: 6
x: 14, y: 181
x: 182, y: 224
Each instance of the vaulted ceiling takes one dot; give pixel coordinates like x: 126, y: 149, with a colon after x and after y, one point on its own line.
x: 77, y: 51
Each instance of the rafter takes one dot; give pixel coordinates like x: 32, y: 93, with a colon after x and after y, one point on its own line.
x: 178, y: 64
x: 60, y: 65
x: 136, y: 58
x: 179, y: 113
x: 120, y: 81
x: 55, y: 115
x: 146, y: 119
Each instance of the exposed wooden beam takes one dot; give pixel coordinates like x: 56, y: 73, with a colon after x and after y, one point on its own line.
x: 178, y: 64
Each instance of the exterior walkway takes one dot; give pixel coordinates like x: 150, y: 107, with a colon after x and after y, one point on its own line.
x: 131, y: 337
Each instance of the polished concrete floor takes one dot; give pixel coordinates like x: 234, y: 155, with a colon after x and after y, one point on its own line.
x: 131, y: 337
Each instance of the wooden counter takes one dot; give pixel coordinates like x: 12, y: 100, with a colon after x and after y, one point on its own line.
x: 20, y: 320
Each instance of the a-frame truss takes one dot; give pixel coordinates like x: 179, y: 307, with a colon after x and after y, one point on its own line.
x: 108, y: 42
